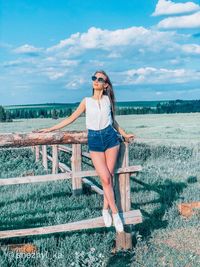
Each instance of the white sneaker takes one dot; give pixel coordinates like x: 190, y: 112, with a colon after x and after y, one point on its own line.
x: 107, y: 218
x: 118, y: 222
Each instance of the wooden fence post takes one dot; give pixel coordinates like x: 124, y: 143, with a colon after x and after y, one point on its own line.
x: 37, y: 153
x: 122, y: 194
x: 76, y: 166
x: 54, y: 159
x: 44, y: 157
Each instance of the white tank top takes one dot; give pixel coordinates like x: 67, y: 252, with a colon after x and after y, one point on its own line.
x: 98, y: 113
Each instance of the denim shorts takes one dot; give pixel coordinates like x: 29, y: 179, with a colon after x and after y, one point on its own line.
x: 100, y: 140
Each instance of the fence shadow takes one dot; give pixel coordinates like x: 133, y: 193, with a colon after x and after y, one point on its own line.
x: 168, y: 193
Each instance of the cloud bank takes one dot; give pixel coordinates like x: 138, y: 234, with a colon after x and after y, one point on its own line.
x: 167, y: 7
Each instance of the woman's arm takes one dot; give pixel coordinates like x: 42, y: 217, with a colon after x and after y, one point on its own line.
x: 118, y: 128
x: 80, y: 109
x: 122, y: 131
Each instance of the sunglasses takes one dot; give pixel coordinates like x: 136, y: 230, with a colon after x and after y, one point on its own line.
x: 100, y: 80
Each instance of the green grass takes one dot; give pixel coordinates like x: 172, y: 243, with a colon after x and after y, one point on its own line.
x: 167, y: 147
x: 159, y: 129
x: 170, y: 176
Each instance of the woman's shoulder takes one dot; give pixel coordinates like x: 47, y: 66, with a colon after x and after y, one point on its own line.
x: 87, y: 100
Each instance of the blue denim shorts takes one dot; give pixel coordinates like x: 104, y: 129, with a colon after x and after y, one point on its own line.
x: 100, y: 140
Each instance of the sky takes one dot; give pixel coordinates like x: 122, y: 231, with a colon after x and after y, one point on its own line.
x: 49, y: 50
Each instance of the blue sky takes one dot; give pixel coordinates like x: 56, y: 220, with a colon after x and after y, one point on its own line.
x: 49, y: 49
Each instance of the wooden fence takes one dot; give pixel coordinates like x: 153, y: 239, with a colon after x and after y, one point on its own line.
x: 58, y: 141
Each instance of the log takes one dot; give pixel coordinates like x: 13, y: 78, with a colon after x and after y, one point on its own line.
x: 76, y: 166
x: 51, y: 138
x: 62, y: 166
x: 130, y: 169
x: 34, y: 138
x: 65, y: 148
x: 55, y: 177
x: 130, y: 217
x: 35, y: 179
x: 69, y: 149
x: 93, y: 186
x: 188, y: 209
x: 123, y: 199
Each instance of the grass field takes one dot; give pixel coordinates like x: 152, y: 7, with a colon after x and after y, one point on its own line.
x: 157, y: 128
x: 168, y: 148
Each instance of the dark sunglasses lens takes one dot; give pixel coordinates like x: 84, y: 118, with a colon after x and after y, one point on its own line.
x: 94, y: 78
x: 101, y: 80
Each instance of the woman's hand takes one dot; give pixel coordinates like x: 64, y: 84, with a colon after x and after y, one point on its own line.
x: 129, y: 137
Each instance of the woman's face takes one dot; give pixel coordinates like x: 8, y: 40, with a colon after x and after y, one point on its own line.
x: 97, y: 85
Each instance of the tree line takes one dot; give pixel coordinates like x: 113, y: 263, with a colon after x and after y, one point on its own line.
x: 173, y: 106
x: 25, y: 113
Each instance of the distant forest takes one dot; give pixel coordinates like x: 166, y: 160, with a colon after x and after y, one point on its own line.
x: 7, y: 114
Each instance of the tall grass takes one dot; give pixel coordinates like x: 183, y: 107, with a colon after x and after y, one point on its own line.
x: 167, y: 147
x: 170, y: 175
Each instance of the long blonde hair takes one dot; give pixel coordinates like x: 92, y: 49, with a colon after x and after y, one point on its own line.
x: 109, y: 92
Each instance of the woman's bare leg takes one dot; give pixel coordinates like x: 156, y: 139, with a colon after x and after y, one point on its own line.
x: 99, y: 162
x: 111, y: 157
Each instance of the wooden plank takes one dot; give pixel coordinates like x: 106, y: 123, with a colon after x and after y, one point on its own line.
x: 93, y: 186
x: 49, y: 177
x: 69, y: 149
x: 86, y: 155
x: 123, y: 199
x: 64, y: 167
x: 44, y: 157
x: 37, y: 153
x: 61, y: 165
x: 130, y: 169
x: 130, y: 217
x: 76, y: 166
x: 35, y: 179
x: 91, y: 173
x: 65, y: 148
x: 54, y: 159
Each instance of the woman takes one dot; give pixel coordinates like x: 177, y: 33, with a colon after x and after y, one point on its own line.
x: 103, y: 140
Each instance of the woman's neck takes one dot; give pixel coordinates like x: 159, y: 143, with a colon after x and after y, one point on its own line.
x: 97, y: 95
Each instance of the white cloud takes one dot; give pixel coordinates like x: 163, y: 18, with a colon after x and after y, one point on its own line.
x: 53, y: 75
x: 151, y: 75
x: 75, y: 82
x: 181, y: 22
x: 24, y: 63
x: 191, y: 48
x: 167, y: 7
x: 133, y: 48
x: 27, y: 49
x: 67, y: 42
x: 114, y: 55
x: 96, y: 38
x: 96, y: 63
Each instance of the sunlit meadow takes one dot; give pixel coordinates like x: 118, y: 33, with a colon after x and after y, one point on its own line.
x: 168, y: 148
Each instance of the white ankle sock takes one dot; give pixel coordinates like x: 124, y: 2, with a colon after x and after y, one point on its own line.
x: 118, y: 222
x: 107, y: 217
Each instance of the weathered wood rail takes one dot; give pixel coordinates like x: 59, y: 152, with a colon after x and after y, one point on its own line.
x: 58, y: 141
x: 33, y: 139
